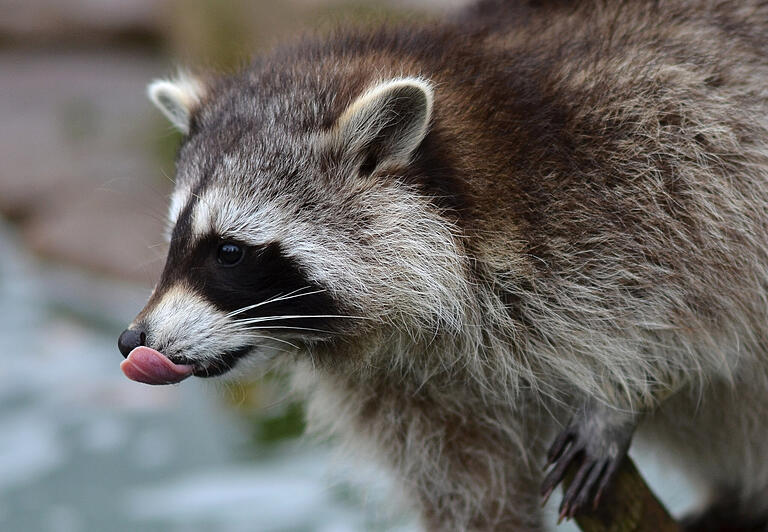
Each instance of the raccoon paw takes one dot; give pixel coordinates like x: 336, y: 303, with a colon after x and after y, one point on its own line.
x: 595, y: 442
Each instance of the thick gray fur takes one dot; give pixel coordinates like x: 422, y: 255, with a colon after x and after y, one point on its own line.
x: 583, y: 218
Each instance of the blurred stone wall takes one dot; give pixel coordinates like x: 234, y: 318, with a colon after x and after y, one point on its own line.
x: 85, y: 162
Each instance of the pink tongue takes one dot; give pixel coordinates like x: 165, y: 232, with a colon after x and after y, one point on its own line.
x: 152, y: 367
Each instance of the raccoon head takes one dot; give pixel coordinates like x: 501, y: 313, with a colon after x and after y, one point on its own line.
x: 292, y: 228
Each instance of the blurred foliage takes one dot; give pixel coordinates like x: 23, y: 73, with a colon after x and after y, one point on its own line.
x: 359, y: 13
x: 218, y: 33
x: 164, y: 142
x: 284, y: 424
x: 273, y: 414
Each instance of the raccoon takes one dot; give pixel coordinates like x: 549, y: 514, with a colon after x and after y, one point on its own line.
x: 530, y: 222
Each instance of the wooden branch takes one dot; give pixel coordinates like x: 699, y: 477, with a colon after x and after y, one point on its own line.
x: 628, y: 506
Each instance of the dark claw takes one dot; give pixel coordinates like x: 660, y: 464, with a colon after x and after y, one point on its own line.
x: 557, y: 448
x: 595, y: 443
x: 593, y: 475
x: 589, y: 486
x: 558, y: 471
x: 545, y: 496
x: 568, y: 505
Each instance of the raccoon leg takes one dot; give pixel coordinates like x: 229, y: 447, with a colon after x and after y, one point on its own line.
x: 595, y: 441
x: 728, y: 514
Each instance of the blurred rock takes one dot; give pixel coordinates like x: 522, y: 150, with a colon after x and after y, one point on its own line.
x: 150, y: 21
x: 85, y: 159
x: 45, y: 21
x: 79, y: 169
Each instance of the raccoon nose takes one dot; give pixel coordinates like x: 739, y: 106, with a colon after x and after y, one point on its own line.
x: 130, y: 339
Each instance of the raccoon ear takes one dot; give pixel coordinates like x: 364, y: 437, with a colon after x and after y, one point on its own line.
x: 177, y: 98
x: 387, y: 123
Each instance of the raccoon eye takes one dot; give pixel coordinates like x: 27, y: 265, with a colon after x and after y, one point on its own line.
x: 230, y: 254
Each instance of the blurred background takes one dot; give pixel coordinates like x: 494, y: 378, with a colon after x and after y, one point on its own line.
x: 85, y: 173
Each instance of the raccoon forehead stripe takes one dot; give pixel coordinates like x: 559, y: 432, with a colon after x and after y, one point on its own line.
x: 224, y: 213
x: 180, y: 197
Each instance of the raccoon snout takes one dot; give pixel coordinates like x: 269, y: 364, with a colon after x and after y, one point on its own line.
x: 130, y: 339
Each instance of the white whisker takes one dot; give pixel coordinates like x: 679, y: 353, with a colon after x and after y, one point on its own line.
x: 276, y: 340
x: 285, y: 327
x: 294, y: 317
x: 274, y: 299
